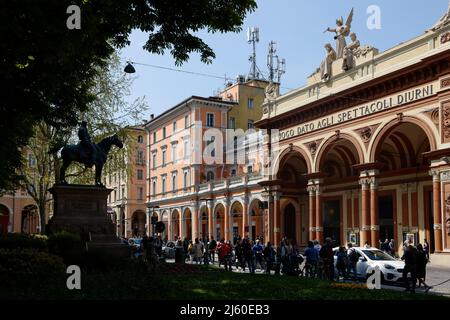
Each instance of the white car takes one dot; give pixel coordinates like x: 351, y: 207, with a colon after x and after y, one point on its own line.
x: 391, y: 268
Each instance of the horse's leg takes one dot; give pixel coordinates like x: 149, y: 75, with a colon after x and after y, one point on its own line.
x: 62, y: 172
x: 98, y: 174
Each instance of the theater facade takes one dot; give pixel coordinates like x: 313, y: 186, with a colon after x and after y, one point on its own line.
x: 363, y: 153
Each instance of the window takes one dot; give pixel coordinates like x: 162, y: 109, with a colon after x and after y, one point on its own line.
x: 174, y: 126
x: 140, y: 157
x: 185, y: 177
x: 109, y: 176
x: 250, y: 124
x: 123, y: 193
x: 140, y: 195
x: 154, y: 160
x: 232, y: 123
x: 140, y: 139
x: 174, y: 182
x: 164, y: 158
x: 115, y: 177
x: 186, y: 121
x: 174, y: 153
x: 213, y: 151
x: 163, y: 185
x: 154, y: 187
x: 210, y: 176
x: 250, y: 103
x: 164, y: 133
x: 233, y: 172
x: 186, y: 149
x: 115, y: 195
x: 210, y: 120
x: 31, y: 161
x: 249, y: 169
x: 154, y: 137
x: 140, y: 174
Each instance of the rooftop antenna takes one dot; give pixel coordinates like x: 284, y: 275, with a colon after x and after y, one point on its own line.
x: 253, y: 38
x: 277, y: 66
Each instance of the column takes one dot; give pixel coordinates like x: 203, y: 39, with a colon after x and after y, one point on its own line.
x: 365, y: 212
x: 195, y: 222
x: 437, y: 211
x: 312, y: 212
x: 210, y: 219
x: 374, y: 217
x: 319, y: 215
x: 180, y: 222
x: 227, y: 220
x: 270, y: 217
x: 245, y: 218
x: 169, y: 227
x: 147, y: 224
x: 276, y: 219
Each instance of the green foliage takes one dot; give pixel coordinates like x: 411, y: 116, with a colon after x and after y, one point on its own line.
x: 23, y: 241
x: 68, y: 246
x: 47, y: 71
x: 29, y: 262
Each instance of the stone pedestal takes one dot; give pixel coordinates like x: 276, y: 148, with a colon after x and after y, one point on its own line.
x: 81, y: 209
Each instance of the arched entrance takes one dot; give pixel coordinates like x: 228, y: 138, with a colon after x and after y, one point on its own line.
x: 4, y: 219
x: 187, y: 216
x: 236, y: 221
x: 336, y: 163
x: 138, y: 223
x: 219, y: 218
x: 30, y: 219
x: 176, y: 231
x: 399, y: 149
x: 203, y: 223
x: 257, y: 219
x: 122, y: 222
x: 289, y: 222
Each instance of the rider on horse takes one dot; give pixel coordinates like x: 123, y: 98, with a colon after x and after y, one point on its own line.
x: 86, y: 144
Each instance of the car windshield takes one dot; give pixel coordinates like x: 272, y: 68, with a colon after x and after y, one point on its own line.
x: 378, y: 255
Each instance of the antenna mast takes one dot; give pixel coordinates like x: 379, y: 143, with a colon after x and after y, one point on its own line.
x: 275, y: 72
x: 253, y: 38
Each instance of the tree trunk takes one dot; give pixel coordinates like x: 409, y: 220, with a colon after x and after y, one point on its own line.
x: 42, y: 212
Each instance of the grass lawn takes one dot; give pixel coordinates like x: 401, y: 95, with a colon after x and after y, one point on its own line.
x: 190, y: 282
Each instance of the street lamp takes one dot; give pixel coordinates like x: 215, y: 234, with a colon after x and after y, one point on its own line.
x: 129, y: 68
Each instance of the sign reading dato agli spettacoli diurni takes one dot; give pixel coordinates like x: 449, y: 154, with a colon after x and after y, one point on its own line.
x: 359, y: 111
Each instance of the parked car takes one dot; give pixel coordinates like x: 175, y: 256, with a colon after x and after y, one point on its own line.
x: 168, y: 250
x: 390, y: 267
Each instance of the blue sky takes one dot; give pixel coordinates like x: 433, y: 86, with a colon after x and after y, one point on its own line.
x: 295, y: 25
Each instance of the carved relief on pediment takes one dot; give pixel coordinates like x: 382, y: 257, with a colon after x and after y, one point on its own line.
x: 313, y: 146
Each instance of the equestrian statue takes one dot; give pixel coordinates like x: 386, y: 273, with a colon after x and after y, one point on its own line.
x: 88, y: 153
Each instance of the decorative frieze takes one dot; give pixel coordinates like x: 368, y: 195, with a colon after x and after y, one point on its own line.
x: 445, y: 111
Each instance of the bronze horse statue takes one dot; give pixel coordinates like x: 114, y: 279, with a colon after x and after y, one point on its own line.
x: 96, y: 155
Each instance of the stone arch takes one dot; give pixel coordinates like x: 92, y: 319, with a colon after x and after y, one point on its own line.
x: 187, y: 221
x: 256, y: 213
x: 219, y: 220
x: 175, y: 222
x: 29, y: 219
x: 384, y: 131
x: 289, y: 152
x: 5, y: 211
x: 236, y: 216
x: 138, y: 221
x: 331, y: 141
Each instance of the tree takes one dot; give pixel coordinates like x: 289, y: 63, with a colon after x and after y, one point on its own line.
x: 47, y: 70
x: 108, y: 113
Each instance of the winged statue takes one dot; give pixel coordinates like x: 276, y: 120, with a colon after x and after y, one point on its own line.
x: 342, y: 30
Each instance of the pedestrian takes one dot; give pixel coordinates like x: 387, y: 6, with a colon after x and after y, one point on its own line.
x: 341, y: 263
x: 385, y: 246
x: 392, y: 247
x: 212, y: 249
x: 198, y: 251
x: 248, y: 254
x: 312, y: 258
x: 258, y: 252
x: 191, y: 251
x: 353, y: 257
x: 426, y: 249
x: 239, y: 255
x: 410, y: 258
x: 421, y: 265
x: 366, y: 245
x: 186, y: 248
x: 269, y: 256
x: 327, y: 255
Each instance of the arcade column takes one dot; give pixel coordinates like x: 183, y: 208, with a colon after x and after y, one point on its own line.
x: 277, y: 219
x: 319, y: 215
x: 437, y: 211
x: 312, y: 212
x: 374, y: 217
x: 245, y: 219
x: 195, y: 222
x: 227, y: 221
x: 210, y: 219
x: 365, y: 211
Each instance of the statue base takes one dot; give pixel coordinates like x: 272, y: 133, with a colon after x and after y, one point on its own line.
x: 82, y: 209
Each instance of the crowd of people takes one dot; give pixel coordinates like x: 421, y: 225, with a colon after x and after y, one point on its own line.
x: 315, y: 261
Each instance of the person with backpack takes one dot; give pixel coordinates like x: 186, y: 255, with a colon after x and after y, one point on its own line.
x: 327, y: 255
x: 353, y: 257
